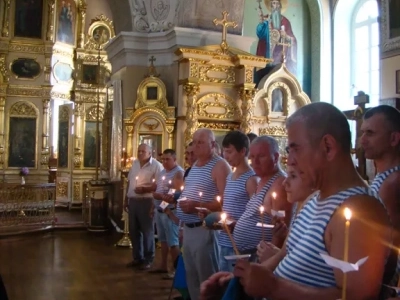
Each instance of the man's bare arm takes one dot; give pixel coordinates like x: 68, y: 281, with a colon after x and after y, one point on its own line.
x: 251, y: 185
x: 369, y: 235
x: 390, y: 194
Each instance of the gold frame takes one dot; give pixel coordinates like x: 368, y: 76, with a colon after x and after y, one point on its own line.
x: 100, y: 20
x: 76, y: 24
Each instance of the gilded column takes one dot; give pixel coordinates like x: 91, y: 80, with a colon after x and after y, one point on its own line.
x: 191, y: 91
x: 247, y: 95
x: 129, y: 140
x: 50, y: 20
x: 81, y: 23
x: 2, y: 158
x: 45, y: 133
x: 5, y: 32
x: 78, y: 112
x: 170, y: 130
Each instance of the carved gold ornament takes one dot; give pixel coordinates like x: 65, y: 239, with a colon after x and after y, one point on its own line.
x: 273, y: 131
x: 63, y: 114
x: 62, y: 189
x: 91, y: 113
x: 77, y: 190
x: 101, y: 30
x: 216, y: 74
x: 24, y: 109
x: 217, y: 106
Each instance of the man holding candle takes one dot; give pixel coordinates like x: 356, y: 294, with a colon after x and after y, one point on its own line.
x: 323, y: 153
x: 139, y: 200
x: 380, y: 141
x: 169, y: 179
x: 207, y: 176
x: 240, y: 187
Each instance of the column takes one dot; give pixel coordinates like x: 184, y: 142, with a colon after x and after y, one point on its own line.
x: 2, y: 158
x: 78, y: 112
x: 170, y: 130
x: 129, y: 140
x: 5, y: 32
x: 44, y: 161
x: 50, y: 20
x: 191, y: 91
x: 81, y: 24
x: 247, y: 95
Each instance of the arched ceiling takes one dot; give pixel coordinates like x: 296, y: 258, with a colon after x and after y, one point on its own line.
x: 121, y: 15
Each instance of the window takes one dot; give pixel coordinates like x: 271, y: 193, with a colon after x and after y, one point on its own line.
x: 365, y: 62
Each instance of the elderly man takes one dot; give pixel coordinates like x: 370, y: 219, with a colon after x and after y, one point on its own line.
x: 244, y: 194
x: 322, y: 154
x: 168, y: 232
x: 140, y: 202
x: 381, y: 140
x: 206, y: 180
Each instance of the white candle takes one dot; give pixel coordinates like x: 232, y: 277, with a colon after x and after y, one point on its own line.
x: 223, y: 219
x: 182, y: 187
x: 137, y: 177
x: 347, y: 215
x: 262, y: 222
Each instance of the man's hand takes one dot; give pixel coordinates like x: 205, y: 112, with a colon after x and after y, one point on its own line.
x: 203, y: 213
x: 188, y: 206
x: 256, y: 279
x: 266, y: 250
x: 168, y: 198
x: 214, y: 287
x: 279, y: 232
x: 139, y: 190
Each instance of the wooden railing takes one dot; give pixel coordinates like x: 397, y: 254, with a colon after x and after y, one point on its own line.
x: 28, y: 205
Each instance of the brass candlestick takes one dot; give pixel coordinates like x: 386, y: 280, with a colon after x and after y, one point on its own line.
x: 125, y: 241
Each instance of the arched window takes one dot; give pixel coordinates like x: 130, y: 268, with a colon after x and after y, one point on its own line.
x: 365, y: 69
x: 356, y: 52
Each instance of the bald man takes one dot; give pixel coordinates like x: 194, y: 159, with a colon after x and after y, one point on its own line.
x: 139, y: 202
x: 206, y: 180
x: 322, y: 154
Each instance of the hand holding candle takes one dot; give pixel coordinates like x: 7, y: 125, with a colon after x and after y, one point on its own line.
x: 219, y: 201
x: 262, y: 222
x: 223, y: 219
x: 347, y: 215
x: 137, y: 178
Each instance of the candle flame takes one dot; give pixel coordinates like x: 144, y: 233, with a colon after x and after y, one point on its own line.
x: 218, y: 198
x: 163, y: 178
x: 347, y: 213
x: 200, y: 194
x: 154, y: 180
x: 223, y: 217
x: 274, y: 195
x: 262, y: 209
x: 182, y: 187
x: 123, y: 149
x: 169, y: 182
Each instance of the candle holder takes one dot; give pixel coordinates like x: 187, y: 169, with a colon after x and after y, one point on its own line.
x: 125, y: 241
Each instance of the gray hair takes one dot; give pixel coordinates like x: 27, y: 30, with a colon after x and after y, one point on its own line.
x: 320, y: 119
x: 270, y: 141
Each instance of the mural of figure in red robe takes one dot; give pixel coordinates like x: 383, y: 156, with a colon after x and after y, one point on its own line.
x: 273, y: 31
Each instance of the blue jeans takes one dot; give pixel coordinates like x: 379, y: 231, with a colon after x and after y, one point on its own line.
x: 225, y: 265
x: 167, y: 230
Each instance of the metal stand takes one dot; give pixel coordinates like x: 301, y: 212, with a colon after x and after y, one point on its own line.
x: 125, y: 241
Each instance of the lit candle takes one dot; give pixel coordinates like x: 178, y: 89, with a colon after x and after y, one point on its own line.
x: 153, y: 180
x: 182, y: 187
x: 273, y: 200
x: 223, y: 219
x: 170, y: 182
x: 219, y: 201
x: 137, y: 177
x: 200, y: 194
x: 347, y: 215
x: 262, y: 222
x: 234, y: 170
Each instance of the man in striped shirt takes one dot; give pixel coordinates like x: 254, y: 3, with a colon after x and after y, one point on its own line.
x: 381, y: 142
x: 206, y: 180
x: 319, y: 145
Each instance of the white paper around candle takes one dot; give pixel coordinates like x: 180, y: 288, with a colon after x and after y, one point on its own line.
x: 278, y: 213
x: 236, y: 257
x: 171, y: 191
x: 227, y: 222
x: 265, y: 225
x: 397, y: 289
x: 164, y: 205
x: 182, y: 199
x: 345, y: 267
x: 200, y: 208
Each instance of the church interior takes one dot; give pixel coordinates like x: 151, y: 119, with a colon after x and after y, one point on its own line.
x: 84, y: 82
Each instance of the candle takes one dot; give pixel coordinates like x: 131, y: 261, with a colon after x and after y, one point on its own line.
x: 170, y: 182
x: 262, y: 222
x: 347, y: 215
x: 137, y: 177
x: 200, y: 194
x: 223, y: 219
x: 182, y: 187
x: 153, y: 180
x: 219, y: 201
x: 274, y: 195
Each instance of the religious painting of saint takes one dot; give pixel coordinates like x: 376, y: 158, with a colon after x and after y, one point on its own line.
x: 66, y: 21
x: 28, y: 18
x: 394, y: 19
x: 89, y: 74
x: 25, y: 68
x: 275, y: 34
x: 63, y: 136
x: 89, y: 157
x: 101, y: 34
x: 22, y: 144
x: 62, y: 72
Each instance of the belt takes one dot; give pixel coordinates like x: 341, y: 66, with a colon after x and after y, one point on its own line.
x: 161, y: 211
x: 194, y: 225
